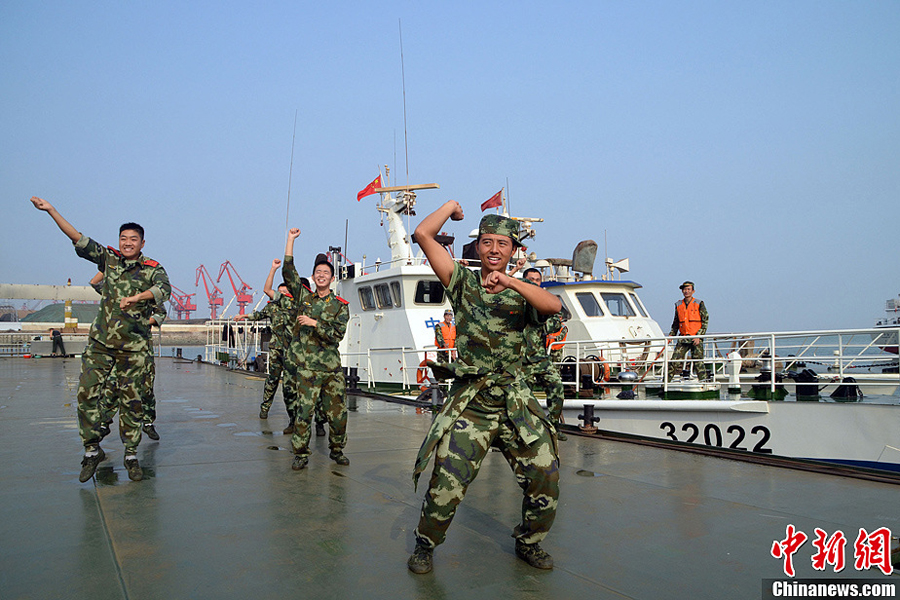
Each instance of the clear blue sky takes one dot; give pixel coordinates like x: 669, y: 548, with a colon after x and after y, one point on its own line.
x: 751, y: 146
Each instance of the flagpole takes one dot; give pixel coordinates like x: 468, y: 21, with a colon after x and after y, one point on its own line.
x: 287, y: 212
x: 507, y: 197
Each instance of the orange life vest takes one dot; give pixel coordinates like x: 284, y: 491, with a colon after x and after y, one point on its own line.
x: 689, y: 322
x: 449, y: 334
x: 555, y: 340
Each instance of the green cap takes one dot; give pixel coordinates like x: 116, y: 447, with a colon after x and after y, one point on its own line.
x: 686, y: 283
x: 500, y: 225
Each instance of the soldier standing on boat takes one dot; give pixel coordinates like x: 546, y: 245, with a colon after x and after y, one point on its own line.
x: 445, y: 337
x: 691, y: 319
x: 546, y: 375
x: 314, y: 364
x: 489, y: 403
x: 282, y: 314
x: 119, y: 337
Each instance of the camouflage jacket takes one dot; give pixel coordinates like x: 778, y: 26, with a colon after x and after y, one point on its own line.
x: 116, y: 328
x: 490, y: 339
x: 282, y: 313
x: 490, y: 328
x: 315, y: 348
x: 159, y: 310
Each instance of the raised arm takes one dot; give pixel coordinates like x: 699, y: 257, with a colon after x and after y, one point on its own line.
x: 64, y: 226
x: 441, y: 261
x: 268, y: 290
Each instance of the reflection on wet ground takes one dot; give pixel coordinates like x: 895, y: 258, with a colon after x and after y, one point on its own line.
x: 220, y: 514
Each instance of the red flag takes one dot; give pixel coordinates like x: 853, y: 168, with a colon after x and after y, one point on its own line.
x: 369, y: 189
x: 494, y: 201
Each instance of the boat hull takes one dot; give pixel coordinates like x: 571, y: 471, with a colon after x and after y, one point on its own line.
x: 858, y: 435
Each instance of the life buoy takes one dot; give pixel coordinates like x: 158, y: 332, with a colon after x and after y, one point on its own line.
x: 422, y: 376
x: 602, y: 364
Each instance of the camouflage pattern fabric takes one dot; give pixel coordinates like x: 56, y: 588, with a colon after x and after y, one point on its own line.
x: 681, y: 349
x: 115, y: 328
x: 282, y: 314
x: 489, y: 404
x: 313, y: 362
x: 545, y: 376
x: 316, y: 348
x: 119, y: 342
x: 315, y: 388
x: 98, y: 363
x: 108, y: 399
x: 704, y: 319
x: 687, y: 345
x: 439, y: 341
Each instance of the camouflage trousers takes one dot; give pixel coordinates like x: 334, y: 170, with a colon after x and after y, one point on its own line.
x: 458, y: 458
x: 98, y: 364
x: 276, y: 371
x: 681, y: 349
x: 147, y: 380
x: 547, y: 378
x: 310, y: 389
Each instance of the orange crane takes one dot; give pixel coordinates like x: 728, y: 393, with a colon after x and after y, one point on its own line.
x: 243, y: 298
x: 215, y: 296
x: 182, y: 304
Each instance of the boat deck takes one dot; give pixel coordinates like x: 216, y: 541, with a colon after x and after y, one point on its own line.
x: 221, y: 515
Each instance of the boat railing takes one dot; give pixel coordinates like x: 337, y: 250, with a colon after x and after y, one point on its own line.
x: 761, y: 359
x: 235, y: 343
x: 16, y: 344
x: 375, y: 267
x: 410, y: 362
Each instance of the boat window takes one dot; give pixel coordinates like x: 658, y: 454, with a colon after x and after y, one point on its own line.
x: 366, y: 298
x: 589, y: 304
x: 567, y: 314
x: 395, y: 293
x: 617, y: 304
x: 429, y: 292
x: 383, y: 296
x: 637, y: 304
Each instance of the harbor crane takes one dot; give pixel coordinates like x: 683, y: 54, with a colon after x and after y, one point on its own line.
x: 214, y: 296
x: 243, y: 298
x: 182, y: 304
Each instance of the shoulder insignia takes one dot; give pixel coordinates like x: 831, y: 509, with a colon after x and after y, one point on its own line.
x: 341, y: 299
x: 114, y: 250
x: 150, y: 262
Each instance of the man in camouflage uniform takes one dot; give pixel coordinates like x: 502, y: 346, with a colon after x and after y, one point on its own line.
x: 546, y: 375
x: 314, y: 361
x: 281, y: 313
x: 447, y: 341
x: 691, y: 318
x: 119, y: 337
x: 147, y: 378
x: 489, y: 403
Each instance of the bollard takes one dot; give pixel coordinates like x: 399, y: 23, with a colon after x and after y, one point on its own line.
x: 588, y: 419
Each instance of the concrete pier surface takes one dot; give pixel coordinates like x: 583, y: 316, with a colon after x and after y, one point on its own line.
x: 220, y: 514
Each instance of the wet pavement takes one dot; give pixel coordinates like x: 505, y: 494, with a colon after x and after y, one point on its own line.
x: 220, y: 514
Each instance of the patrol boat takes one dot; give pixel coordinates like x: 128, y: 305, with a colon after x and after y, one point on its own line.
x: 791, y: 395
x: 395, y: 304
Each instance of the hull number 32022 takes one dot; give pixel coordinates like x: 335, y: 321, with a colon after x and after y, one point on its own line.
x: 737, y: 437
